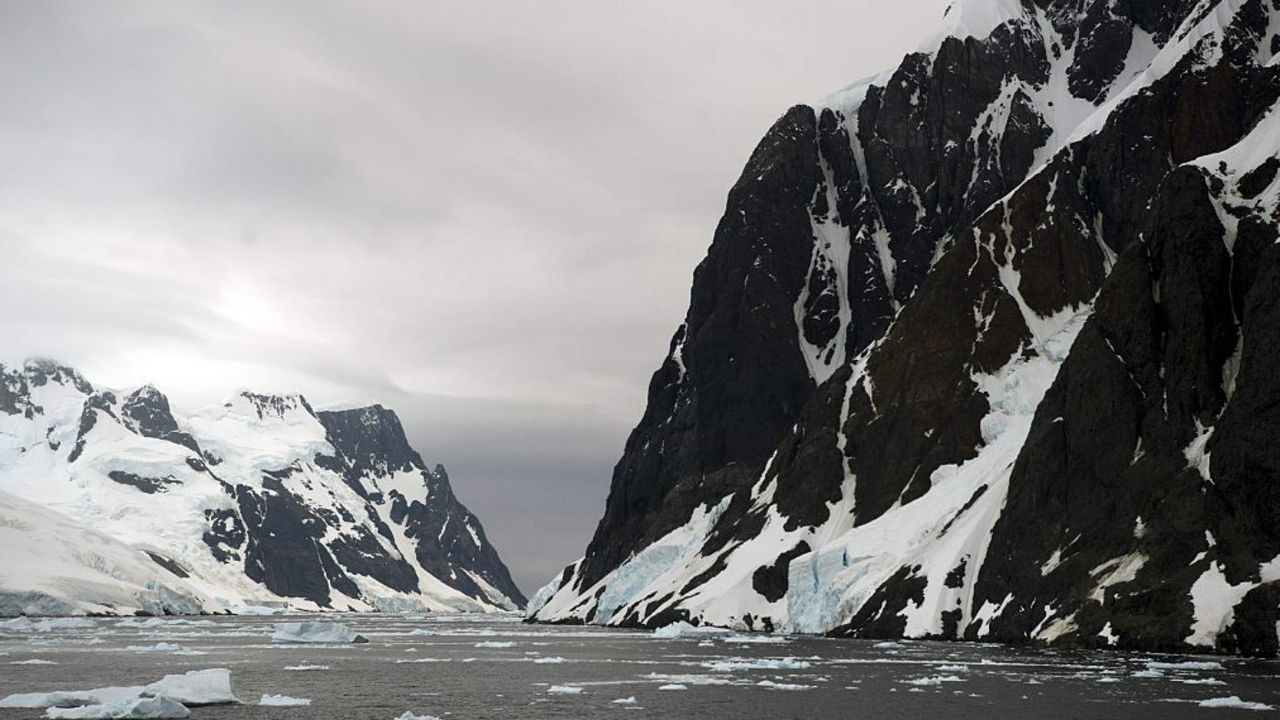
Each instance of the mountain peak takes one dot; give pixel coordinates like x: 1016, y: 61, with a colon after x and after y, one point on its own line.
x: 40, y: 371
x: 270, y: 406
x: 252, y: 501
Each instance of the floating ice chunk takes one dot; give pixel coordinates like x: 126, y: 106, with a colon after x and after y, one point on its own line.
x: 889, y: 645
x: 33, y: 661
x: 1199, y: 681
x: 782, y: 686
x: 168, y: 647
x: 625, y: 701
x: 933, y: 681
x: 71, y: 698
x: 564, y: 690
x: 684, y: 629
x: 197, y: 687
x: 495, y: 644
x: 1149, y: 673
x: 283, y: 701
x: 673, y: 686
x: 1234, y: 702
x: 161, y: 622
x: 24, y: 624
x: 1186, y: 665
x: 305, y: 667
x: 787, y: 663
x: 761, y: 639
x: 411, y: 716
x: 548, y: 660
x: 315, y: 632
x: 138, y: 707
x: 257, y: 609
x: 952, y: 668
x: 411, y: 661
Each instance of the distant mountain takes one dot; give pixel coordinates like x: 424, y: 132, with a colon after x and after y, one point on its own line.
x: 110, y: 502
x: 983, y: 348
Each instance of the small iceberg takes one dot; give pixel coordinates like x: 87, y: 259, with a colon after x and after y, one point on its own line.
x: 140, y: 707
x: 168, y: 697
x: 315, y: 632
x: 196, y: 688
x: 683, y: 629
x: 26, y: 625
x: 1234, y: 702
x: 283, y: 701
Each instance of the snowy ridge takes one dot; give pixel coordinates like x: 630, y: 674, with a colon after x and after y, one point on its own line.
x: 251, y: 503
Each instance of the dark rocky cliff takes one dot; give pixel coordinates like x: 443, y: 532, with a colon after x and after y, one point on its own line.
x: 874, y: 337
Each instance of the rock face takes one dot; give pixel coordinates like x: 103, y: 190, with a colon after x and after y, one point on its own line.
x: 260, y: 501
x: 980, y: 350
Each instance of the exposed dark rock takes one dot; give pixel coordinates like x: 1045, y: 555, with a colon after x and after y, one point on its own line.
x: 225, y: 535
x: 771, y: 580
x: 370, y: 443
x: 169, y: 565
x: 146, y: 412
x: 145, y: 484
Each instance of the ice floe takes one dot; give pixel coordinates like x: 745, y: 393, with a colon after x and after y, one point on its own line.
x: 315, y: 632
x: 168, y: 697
x: 770, y: 684
x: 564, y: 690
x: 283, y: 701
x: 24, y: 624
x: 1185, y: 665
x: 1234, y: 702
x: 933, y: 681
x: 165, y: 647
x: 162, y: 622
x: 197, y: 687
x: 684, y: 629
x: 731, y: 664
x: 138, y: 708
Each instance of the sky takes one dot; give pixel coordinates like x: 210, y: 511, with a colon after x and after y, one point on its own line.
x: 484, y: 215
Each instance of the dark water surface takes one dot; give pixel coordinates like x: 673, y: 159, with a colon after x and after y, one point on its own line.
x: 463, y: 667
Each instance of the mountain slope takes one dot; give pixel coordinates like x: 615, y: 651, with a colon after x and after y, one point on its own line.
x: 932, y: 328
x: 260, y: 501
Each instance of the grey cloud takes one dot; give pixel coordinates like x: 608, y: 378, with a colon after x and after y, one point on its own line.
x: 484, y: 214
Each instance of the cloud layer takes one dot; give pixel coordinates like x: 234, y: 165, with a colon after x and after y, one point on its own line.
x: 483, y: 214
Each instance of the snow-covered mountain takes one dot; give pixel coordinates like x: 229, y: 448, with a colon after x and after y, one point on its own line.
x: 983, y: 348
x: 109, y: 502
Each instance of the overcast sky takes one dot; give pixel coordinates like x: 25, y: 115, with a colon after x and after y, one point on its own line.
x: 484, y: 215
